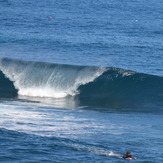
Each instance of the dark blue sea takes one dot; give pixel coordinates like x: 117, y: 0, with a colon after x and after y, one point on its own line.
x: 81, y: 81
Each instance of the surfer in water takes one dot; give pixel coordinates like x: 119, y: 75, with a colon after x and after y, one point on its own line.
x: 128, y: 156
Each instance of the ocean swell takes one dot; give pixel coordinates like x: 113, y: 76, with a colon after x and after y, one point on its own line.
x: 124, y: 88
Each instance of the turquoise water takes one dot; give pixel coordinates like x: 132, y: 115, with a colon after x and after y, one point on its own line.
x: 81, y: 81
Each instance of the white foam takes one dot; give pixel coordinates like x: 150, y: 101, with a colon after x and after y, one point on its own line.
x: 59, y: 81
x: 95, y: 150
x: 41, y: 92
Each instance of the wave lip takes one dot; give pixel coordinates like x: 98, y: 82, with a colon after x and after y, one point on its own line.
x: 47, y: 80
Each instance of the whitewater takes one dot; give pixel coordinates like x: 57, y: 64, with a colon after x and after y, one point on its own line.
x: 47, y: 80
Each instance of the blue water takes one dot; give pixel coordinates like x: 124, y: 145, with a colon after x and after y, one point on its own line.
x: 81, y: 81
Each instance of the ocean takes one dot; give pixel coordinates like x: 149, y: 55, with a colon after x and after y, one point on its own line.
x: 81, y: 81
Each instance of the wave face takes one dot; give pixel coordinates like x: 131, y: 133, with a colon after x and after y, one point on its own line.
x: 118, y: 87
x: 7, y: 89
x: 89, y: 85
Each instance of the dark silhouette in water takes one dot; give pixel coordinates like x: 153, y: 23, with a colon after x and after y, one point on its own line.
x: 128, y: 156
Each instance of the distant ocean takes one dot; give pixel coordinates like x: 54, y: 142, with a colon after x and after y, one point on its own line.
x: 81, y: 81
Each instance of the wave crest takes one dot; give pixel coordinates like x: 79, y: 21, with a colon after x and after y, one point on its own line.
x: 47, y: 80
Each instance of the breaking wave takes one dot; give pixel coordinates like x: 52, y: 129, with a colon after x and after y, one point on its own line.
x: 90, y: 84
x: 45, y: 79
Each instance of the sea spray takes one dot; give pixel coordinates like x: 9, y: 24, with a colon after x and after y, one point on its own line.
x: 46, y: 79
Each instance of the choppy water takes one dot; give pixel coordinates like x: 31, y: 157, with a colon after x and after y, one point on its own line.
x: 81, y: 81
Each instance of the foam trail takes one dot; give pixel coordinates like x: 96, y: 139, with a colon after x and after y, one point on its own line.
x: 94, y: 150
x: 47, y: 80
